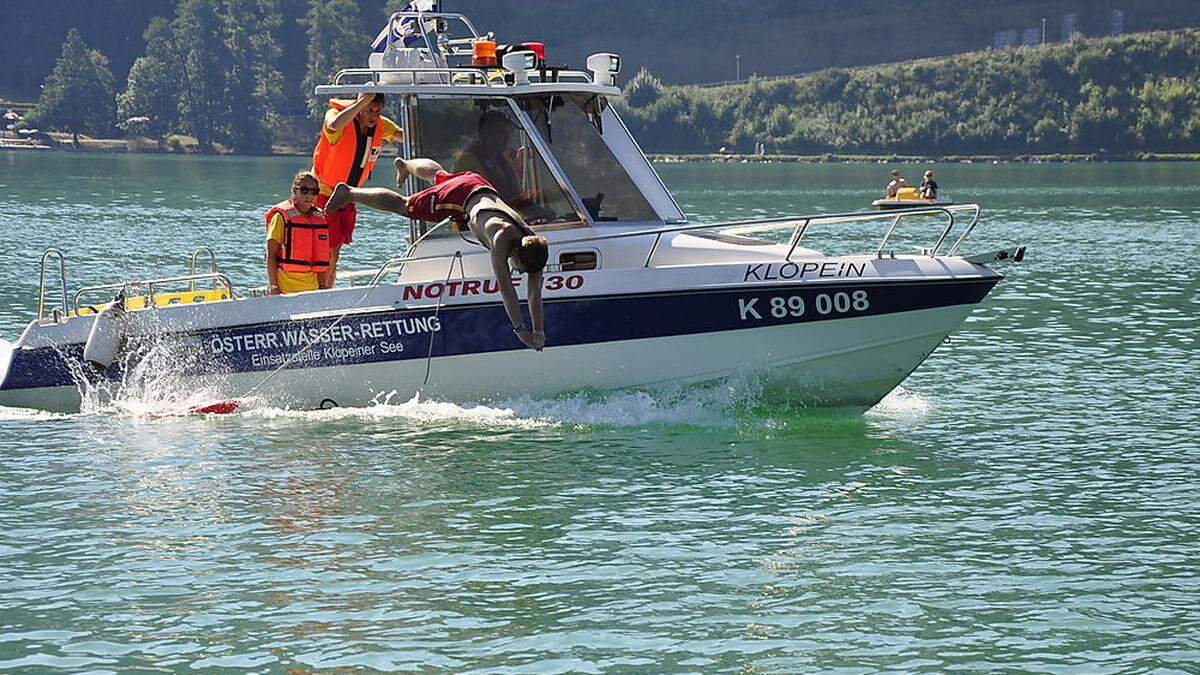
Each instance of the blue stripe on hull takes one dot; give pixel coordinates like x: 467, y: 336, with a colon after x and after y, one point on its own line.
x: 405, y: 334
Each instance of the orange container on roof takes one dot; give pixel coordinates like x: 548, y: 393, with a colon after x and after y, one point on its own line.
x: 483, y: 53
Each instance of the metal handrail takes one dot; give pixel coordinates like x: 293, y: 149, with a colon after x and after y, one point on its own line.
x: 62, y: 271
x: 149, y: 284
x: 477, y: 77
x: 963, y: 237
x: 801, y: 226
x: 212, y: 264
x: 401, y: 261
x: 421, y: 18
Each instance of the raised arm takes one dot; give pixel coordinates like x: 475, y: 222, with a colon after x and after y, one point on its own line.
x: 338, y: 121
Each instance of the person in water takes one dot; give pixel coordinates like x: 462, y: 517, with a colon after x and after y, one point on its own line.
x: 297, y: 240
x: 347, y: 149
x: 471, y: 202
x: 928, y: 188
x: 897, y: 183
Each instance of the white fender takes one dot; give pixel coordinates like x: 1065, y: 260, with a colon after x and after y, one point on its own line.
x: 107, y: 335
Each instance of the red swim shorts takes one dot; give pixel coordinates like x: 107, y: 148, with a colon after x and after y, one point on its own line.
x: 446, y: 197
x: 341, y: 222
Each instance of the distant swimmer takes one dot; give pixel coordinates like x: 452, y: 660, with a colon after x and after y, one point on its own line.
x: 897, y: 183
x: 928, y: 188
x: 471, y: 202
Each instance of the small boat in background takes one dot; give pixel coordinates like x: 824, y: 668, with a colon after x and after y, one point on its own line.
x: 907, y: 198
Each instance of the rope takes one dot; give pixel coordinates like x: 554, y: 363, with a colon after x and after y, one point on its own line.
x: 436, y: 311
x: 312, y: 343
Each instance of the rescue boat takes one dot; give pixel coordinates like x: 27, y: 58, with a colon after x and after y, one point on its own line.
x: 636, y: 294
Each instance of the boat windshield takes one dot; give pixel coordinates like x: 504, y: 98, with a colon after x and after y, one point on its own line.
x: 483, y: 135
x: 571, y: 124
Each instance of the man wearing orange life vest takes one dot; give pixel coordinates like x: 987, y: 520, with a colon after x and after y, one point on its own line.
x: 297, y: 240
x: 350, y: 143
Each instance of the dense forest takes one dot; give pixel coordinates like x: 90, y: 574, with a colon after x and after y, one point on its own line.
x: 238, y: 74
x: 1136, y: 92
x: 697, y: 41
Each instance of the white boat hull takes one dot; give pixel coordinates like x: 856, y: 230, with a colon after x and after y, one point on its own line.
x: 852, y: 361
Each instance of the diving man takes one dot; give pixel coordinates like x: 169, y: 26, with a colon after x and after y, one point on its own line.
x: 471, y: 202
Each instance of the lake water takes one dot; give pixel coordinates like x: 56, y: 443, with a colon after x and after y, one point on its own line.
x: 1029, y: 499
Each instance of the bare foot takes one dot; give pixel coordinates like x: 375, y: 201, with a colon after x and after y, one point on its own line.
x: 401, y: 171
x: 339, y: 198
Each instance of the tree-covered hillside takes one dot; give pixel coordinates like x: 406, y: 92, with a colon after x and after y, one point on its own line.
x: 696, y: 41
x: 1137, y: 92
x: 238, y: 74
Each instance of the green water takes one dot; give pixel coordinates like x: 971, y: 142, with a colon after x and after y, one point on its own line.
x: 1029, y: 500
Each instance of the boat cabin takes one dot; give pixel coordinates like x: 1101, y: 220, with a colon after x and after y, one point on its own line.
x: 547, y: 138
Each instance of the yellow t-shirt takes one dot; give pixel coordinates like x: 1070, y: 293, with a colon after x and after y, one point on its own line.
x: 290, y: 282
x: 390, y: 132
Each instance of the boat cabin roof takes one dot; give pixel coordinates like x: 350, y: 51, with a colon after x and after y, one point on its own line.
x: 432, y: 53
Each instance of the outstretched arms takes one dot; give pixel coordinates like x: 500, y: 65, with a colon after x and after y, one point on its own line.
x: 535, y: 339
x: 535, y: 311
x: 508, y: 295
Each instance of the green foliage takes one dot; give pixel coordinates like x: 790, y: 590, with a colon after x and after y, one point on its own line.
x: 1132, y: 93
x: 336, y: 40
x: 253, y: 84
x: 201, y: 35
x: 78, y: 94
x: 149, y: 106
x: 643, y: 90
x: 230, y: 82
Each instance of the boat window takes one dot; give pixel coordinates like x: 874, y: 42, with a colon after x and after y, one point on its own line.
x: 572, y: 126
x: 482, y: 135
x: 577, y: 260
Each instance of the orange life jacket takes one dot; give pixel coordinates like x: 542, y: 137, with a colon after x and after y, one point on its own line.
x: 305, y: 239
x: 332, y: 162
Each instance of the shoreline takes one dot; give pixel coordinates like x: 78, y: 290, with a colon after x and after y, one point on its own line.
x: 830, y: 158
x: 184, y: 145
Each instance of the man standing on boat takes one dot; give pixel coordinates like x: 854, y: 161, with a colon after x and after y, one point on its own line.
x: 352, y: 135
x: 471, y: 202
x: 297, y: 240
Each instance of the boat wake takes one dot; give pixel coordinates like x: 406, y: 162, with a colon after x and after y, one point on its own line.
x: 693, y: 407
x: 153, y: 386
x: 424, y: 412
x: 900, y: 404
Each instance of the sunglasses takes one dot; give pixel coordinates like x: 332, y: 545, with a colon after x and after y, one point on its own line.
x: 307, y: 190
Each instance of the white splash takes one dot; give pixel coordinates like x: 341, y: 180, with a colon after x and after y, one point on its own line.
x: 29, y: 414
x: 707, y: 406
x: 426, y: 412
x: 901, y: 404
x: 697, y: 407
x: 152, y: 385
